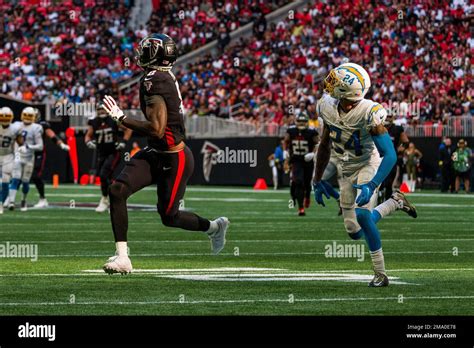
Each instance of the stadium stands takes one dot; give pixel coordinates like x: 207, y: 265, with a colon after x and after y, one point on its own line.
x: 419, y: 69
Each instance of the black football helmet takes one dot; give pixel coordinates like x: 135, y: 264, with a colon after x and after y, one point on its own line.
x: 302, y: 120
x: 156, y: 51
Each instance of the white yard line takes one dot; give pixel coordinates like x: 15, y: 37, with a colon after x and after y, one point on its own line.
x: 235, y: 301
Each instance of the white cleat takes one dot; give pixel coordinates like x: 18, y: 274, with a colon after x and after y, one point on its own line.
x: 118, y: 264
x: 103, y: 205
x: 218, y: 237
x: 42, y: 203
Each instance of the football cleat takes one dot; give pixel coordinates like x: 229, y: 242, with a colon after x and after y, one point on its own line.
x: 42, y: 203
x: 11, y: 206
x: 218, y: 237
x: 301, y: 212
x: 103, y: 205
x: 23, y: 206
x: 380, y: 280
x: 403, y: 203
x: 118, y: 264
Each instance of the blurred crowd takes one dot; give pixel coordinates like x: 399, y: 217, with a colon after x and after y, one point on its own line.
x: 418, y: 54
x: 80, y: 50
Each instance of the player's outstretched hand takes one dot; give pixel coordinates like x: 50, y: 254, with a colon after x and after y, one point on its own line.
x: 110, y: 105
x: 366, y: 192
x: 320, y: 190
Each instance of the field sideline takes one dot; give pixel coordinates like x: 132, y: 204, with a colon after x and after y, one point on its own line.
x: 275, y: 262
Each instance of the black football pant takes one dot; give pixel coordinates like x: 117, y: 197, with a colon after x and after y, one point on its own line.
x: 106, y: 165
x: 302, y: 173
x: 36, y: 178
x: 170, y: 171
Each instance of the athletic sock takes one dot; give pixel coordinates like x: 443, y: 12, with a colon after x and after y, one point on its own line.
x: 384, y: 209
x: 5, y: 190
x: 213, y: 227
x: 25, y: 189
x: 121, y: 248
x: 378, y: 261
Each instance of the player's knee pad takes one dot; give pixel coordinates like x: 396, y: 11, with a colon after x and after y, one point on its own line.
x: 350, y: 221
x: 6, y: 178
x: 119, y: 190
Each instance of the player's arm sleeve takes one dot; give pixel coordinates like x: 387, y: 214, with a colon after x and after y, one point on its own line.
x: 38, y: 146
x: 385, y: 147
x: 382, y: 141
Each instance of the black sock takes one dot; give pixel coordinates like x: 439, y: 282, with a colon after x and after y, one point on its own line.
x: 119, y: 194
x: 39, y: 183
x: 186, y: 220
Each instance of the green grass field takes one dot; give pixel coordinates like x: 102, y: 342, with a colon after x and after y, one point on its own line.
x: 274, y: 262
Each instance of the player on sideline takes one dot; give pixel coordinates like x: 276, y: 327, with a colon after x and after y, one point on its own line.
x: 8, y: 136
x: 40, y: 159
x: 166, y: 161
x: 25, y: 158
x: 103, y: 135
x: 300, y: 140
x: 354, y: 126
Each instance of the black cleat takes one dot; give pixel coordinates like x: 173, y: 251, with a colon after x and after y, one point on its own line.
x: 301, y: 212
x: 379, y: 281
x: 403, y: 204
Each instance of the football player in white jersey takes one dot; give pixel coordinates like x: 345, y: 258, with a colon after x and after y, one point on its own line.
x: 354, y: 126
x: 8, y: 136
x: 25, y: 157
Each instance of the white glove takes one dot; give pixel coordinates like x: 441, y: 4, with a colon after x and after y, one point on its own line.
x: 120, y: 145
x: 309, y: 157
x: 64, y: 147
x: 91, y: 144
x: 23, y: 149
x: 110, y: 105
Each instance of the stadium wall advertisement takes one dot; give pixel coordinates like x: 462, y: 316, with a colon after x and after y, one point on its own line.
x: 225, y: 161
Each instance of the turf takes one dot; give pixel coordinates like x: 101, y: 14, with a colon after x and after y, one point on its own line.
x: 276, y: 259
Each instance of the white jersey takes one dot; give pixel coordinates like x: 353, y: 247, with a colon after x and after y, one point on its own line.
x: 349, y: 132
x: 32, y: 135
x: 7, y: 140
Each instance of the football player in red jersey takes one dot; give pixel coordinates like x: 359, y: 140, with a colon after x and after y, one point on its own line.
x: 166, y: 161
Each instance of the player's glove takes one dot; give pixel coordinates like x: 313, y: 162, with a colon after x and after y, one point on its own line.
x: 64, y: 147
x: 367, y: 190
x: 110, y: 105
x: 120, y: 145
x: 23, y: 149
x: 320, y: 189
x: 91, y: 144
